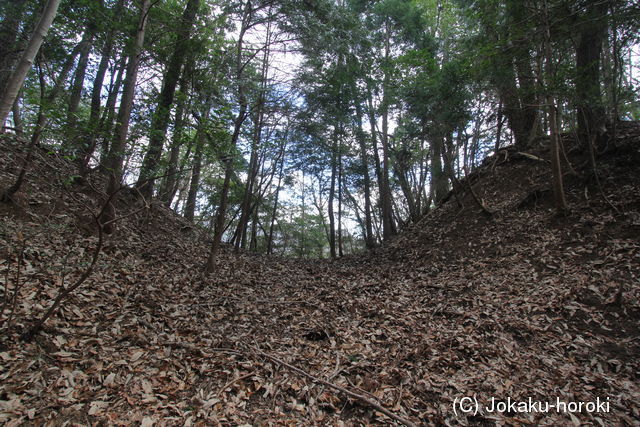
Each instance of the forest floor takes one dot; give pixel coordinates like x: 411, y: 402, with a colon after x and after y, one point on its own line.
x: 521, y: 304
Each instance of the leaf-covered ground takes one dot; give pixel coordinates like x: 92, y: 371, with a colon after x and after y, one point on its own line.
x: 519, y: 305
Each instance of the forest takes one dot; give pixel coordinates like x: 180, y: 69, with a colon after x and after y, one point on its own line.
x: 319, y: 212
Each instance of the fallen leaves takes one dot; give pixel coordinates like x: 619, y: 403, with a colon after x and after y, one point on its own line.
x: 513, y: 307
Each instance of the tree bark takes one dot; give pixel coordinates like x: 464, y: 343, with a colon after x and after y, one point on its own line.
x: 9, y: 32
x: 439, y: 184
x: 340, y: 249
x: 26, y: 60
x: 160, y: 120
x: 556, y: 169
x: 388, y: 226
x: 364, y: 158
x: 105, y: 127
x: 70, y: 145
x: 274, y: 211
x: 41, y: 122
x: 17, y: 117
x: 169, y: 182
x: 228, y: 160
x: 114, y: 161
x: 590, y: 109
x: 332, y: 190
x: 93, y: 125
x: 190, y: 207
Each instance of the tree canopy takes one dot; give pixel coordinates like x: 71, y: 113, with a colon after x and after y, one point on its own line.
x: 310, y: 128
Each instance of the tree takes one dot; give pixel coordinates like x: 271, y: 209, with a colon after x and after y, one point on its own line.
x: 93, y: 125
x: 556, y: 168
x: 591, y: 32
x: 12, y: 12
x: 23, y: 66
x: 246, y: 22
x: 160, y: 120
x: 114, y: 160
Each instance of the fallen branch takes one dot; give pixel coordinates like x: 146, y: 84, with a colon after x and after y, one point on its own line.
x: 532, y: 157
x: 63, y: 293
x: 232, y: 382
x: 343, y: 390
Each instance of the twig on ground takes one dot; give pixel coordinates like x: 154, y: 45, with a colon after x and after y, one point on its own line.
x: 343, y: 390
x: 232, y: 382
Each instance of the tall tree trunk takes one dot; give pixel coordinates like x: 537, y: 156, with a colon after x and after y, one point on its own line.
x: 364, y: 158
x: 18, y: 75
x: 556, y: 168
x: 70, y: 145
x: 48, y: 100
x: 274, y: 211
x: 9, y: 32
x: 340, y: 249
x: 254, y: 231
x: 222, y: 209
x: 160, y: 120
x: 245, y: 208
x: 93, y: 125
x: 17, y: 117
x: 252, y: 172
x: 168, y: 187
x: 508, y: 93
x: 240, y: 118
x: 332, y: 191
x: 439, y: 185
x: 401, y: 174
x: 105, y: 127
x: 114, y: 160
x: 388, y: 226
x: 190, y: 207
x: 590, y: 109
x: 41, y: 122
x: 520, y: 46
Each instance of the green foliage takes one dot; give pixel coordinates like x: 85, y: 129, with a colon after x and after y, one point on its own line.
x: 432, y: 68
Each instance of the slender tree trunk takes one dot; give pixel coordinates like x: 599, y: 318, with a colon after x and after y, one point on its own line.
x: 332, y: 190
x: 18, y: 75
x: 160, y: 120
x: 590, y: 109
x: 340, y: 248
x: 184, y: 163
x: 388, y: 226
x: 401, y: 174
x: 93, y: 125
x: 17, y: 117
x: 168, y: 187
x: 70, y: 145
x: 254, y: 231
x: 528, y: 126
x: 114, y: 161
x: 498, y: 130
x: 438, y: 178
x: 240, y: 118
x: 245, y: 207
x: 222, y: 209
x: 556, y: 168
x: 274, y: 211
x: 41, y: 122
x: 364, y: 158
x: 190, y: 207
x: 257, y: 134
x: 9, y: 32
x: 105, y: 127
x: 47, y: 101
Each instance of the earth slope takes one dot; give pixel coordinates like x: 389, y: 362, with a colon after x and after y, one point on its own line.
x: 514, y: 305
